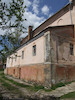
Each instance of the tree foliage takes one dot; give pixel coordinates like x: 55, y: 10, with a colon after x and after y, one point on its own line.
x: 11, y: 22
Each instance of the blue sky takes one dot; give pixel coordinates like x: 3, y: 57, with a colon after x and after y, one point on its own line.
x: 52, y: 5
x: 38, y: 11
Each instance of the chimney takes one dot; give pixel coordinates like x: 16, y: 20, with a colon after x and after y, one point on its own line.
x: 30, y: 34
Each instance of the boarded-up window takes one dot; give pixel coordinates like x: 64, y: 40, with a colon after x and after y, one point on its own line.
x: 34, y: 50
x: 22, y: 54
x: 71, y: 48
x: 14, y: 71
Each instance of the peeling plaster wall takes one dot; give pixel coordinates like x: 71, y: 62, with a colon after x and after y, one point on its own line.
x: 60, y: 48
x: 73, y: 13
x: 62, y: 73
x: 62, y: 62
x: 34, y: 69
x: 28, y: 54
x: 47, y: 46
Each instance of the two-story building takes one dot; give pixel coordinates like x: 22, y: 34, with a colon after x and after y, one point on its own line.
x: 47, y: 55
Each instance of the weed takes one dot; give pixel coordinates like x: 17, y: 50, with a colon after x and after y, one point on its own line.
x: 69, y: 95
x: 35, y: 87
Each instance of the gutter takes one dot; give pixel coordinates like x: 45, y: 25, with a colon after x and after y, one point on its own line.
x: 70, y: 12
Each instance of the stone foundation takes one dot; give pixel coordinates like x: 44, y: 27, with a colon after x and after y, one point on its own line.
x: 44, y: 74
x: 39, y: 73
x: 62, y: 73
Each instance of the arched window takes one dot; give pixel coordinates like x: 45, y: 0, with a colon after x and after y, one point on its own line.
x: 60, y: 22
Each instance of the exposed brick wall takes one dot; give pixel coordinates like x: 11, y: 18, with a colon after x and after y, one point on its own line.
x: 39, y: 73
x: 13, y: 71
x: 63, y: 73
x: 33, y: 73
x: 46, y: 75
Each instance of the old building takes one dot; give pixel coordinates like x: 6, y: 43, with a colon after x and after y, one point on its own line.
x: 47, y: 55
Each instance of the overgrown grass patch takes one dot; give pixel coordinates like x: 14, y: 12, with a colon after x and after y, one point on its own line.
x: 60, y: 85
x: 1, y: 74
x: 57, y: 85
x: 11, y: 88
x: 0, y: 95
x: 7, y: 85
x: 1, y: 70
x: 34, y: 87
x: 69, y: 95
x: 1, y: 98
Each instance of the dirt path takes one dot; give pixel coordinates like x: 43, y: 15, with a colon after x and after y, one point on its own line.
x: 22, y: 93
x: 57, y: 92
x: 62, y: 90
x: 7, y: 95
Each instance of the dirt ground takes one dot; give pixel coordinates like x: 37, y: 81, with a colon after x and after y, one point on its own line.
x: 11, y: 90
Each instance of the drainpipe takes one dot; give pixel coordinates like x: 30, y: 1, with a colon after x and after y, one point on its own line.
x: 70, y: 1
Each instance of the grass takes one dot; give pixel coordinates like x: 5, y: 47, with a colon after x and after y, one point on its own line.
x: 1, y: 69
x: 7, y: 85
x: 57, y: 85
x: 11, y: 88
x: 1, y: 98
x: 35, y: 87
x: 69, y: 95
x: 60, y: 85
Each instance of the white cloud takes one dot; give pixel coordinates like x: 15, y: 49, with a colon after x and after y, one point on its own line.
x: 45, y: 10
x: 35, y: 6
x: 51, y: 14
x: 33, y: 19
x: 27, y: 3
x: 1, y: 32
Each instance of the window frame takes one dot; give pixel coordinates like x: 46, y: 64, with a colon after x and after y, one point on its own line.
x: 71, y: 49
x: 23, y: 54
x: 15, y: 58
x: 34, y: 50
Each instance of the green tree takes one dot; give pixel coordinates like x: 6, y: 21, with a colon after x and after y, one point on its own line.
x: 11, y: 21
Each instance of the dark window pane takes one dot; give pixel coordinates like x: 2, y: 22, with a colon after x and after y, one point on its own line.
x: 71, y: 48
x: 34, y: 50
x: 22, y: 54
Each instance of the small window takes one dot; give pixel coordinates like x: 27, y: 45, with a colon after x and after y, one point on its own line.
x: 71, y: 48
x: 34, y: 50
x: 15, y: 58
x: 22, y: 54
x: 12, y: 59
